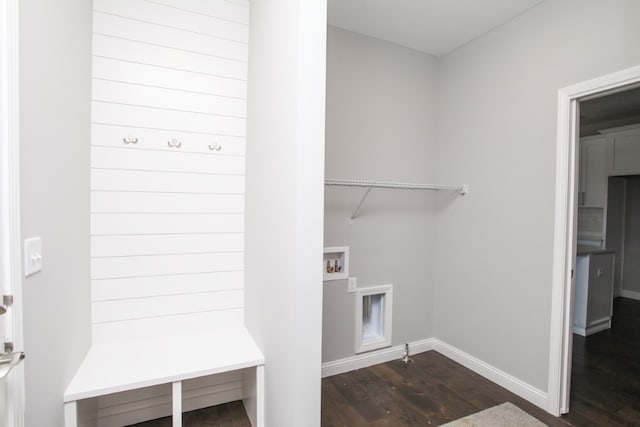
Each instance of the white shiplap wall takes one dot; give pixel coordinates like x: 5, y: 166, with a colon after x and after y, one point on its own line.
x: 167, y: 223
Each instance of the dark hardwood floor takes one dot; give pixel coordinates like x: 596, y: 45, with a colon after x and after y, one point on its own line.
x: 434, y: 389
x: 431, y: 391
x: 605, y: 381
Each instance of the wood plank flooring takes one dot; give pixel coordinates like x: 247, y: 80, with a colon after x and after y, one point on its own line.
x: 434, y: 389
x: 605, y: 381
x: 431, y: 391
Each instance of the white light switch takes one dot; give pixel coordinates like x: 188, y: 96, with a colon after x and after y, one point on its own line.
x: 32, y: 255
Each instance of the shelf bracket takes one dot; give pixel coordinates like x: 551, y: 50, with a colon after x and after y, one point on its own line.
x: 357, y: 211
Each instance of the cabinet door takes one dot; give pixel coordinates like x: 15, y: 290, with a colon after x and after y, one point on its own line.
x: 600, y: 288
x: 593, y: 172
x: 626, y: 152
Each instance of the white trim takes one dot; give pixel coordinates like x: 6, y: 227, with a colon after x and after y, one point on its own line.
x: 364, y: 360
x: 629, y: 294
x: 561, y: 299
x: 258, y: 416
x: 593, y: 328
x: 508, y: 381
x: 176, y: 403
x: 362, y: 346
x: 625, y: 128
x: 10, y: 193
x: 335, y: 250
x: 71, y: 414
x: 511, y: 383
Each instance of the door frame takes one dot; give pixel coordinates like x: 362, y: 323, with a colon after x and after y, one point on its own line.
x: 561, y: 341
x: 10, y: 248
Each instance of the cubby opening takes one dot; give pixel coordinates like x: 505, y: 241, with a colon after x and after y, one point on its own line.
x: 335, y: 263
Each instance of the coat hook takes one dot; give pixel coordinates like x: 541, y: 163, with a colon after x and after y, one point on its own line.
x: 129, y: 139
x: 174, y: 143
x: 215, y: 147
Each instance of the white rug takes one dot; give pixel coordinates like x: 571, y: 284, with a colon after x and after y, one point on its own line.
x: 505, y: 415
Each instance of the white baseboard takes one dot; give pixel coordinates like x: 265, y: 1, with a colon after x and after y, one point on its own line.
x: 579, y: 330
x: 371, y: 358
x: 594, y: 327
x: 629, y: 294
x: 155, y: 408
x: 503, y: 379
x: 511, y: 383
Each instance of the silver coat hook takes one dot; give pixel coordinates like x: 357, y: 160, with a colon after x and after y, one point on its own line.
x: 174, y: 143
x: 130, y: 139
x: 8, y: 361
x: 215, y: 147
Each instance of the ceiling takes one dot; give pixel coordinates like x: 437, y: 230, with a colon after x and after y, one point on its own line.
x: 436, y: 27
x: 617, y: 109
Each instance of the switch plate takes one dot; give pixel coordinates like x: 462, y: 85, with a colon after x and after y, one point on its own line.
x: 32, y: 256
x: 352, y: 283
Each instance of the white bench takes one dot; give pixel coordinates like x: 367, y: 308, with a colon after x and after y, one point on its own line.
x: 127, y: 365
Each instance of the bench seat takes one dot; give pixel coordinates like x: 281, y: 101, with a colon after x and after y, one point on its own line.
x: 127, y: 365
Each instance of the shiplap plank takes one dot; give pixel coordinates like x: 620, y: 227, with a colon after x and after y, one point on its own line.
x: 136, y: 287
x: 176, y: 161
x: 131, y: 52
x: 167, y: 325
x: 128, y: 309
x: 208, y: 381
x: 150, y: 75
x: 150, y: 265
x: 167, y: 223
x: 151, y: 139
x: 110, y: 224
x: 176, y: 18
x: 120, y: 202
x: 233, y: 10
x: 160, y: 407
x: 125, y: 28
x: 145, y: 117
x: 126, y: 397
x: 146, y: 181
x: 115, y: 246
x: 133, y: 94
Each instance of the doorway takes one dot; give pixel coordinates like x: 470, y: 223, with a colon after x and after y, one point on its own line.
x: 565, y: 235
x: 605, y: 303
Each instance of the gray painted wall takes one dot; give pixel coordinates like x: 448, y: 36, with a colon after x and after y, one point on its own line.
x: 55, y: 94
x: 497, y: 132
x: 631, y: 281
x: 381, y: 125
x: 284, y: 199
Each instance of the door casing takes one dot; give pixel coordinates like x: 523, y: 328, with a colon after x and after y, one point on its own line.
x: 560, y: 347
x: 11, y: 270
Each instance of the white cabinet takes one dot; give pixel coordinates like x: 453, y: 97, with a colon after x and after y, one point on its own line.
x: 593, y: 173
x: 623, y: 144
x: 593, y: 306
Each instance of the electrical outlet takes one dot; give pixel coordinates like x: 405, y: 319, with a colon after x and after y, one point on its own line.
x: 352, y: 284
